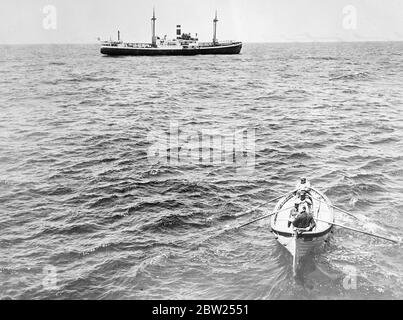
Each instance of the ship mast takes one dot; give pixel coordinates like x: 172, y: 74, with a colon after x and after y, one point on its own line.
x: 153, y: 38
x: 215, y: 29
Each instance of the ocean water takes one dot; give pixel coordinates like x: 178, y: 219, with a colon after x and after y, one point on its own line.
x: 97, y: 203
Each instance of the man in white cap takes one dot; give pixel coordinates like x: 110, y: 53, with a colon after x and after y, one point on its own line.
x: 303, y: 185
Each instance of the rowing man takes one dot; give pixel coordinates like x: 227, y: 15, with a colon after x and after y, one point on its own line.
x: 293, y: 214
x: 304, y: 202
x: 304, y: 221
x: 303, y: 188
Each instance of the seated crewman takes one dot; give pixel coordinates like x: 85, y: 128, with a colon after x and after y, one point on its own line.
x: 307, y: 197
x: 304, y: 202
x: 304, y: 221
x: 293, y: 213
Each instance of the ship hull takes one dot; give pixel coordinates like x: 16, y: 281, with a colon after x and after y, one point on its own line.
x: 128, y: 51
x: 229, y: 49
x: 121, y: 51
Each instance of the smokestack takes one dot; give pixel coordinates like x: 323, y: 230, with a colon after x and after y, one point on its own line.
x: 178, y: 31
x: 118, y: 35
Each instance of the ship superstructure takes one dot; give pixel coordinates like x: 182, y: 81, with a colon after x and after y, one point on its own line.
x: 183, y: 44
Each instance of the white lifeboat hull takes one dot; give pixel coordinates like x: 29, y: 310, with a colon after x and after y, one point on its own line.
x: 305, y: 243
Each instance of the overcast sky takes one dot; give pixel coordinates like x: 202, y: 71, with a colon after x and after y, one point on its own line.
x: 33, y: 21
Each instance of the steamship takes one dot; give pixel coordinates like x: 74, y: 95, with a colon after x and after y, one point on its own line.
x: 184, y: 44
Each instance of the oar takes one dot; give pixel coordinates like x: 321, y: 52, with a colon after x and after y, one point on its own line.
x: 340, y: 209
x: 344, y: 211
x: 266, y: 202
x: 360, y: 231
x: 262, y: 217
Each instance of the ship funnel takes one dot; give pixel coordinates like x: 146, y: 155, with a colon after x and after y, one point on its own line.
x: 178, y: 31
x: 118, y: 35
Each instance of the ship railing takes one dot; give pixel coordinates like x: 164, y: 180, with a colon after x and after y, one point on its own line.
x: 137, y: 45
x: 110, y: 43
x: 211, y: 44
x: 206, y: 44
x: 227, y: 42
x: 122, y: 44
